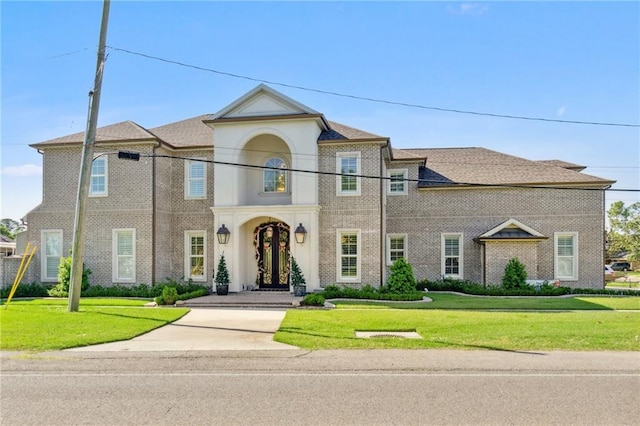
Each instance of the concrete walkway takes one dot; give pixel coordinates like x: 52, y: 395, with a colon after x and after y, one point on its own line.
x: 205, y: 329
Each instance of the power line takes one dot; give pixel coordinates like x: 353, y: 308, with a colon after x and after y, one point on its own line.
x: 369, y: 99
x: 134, y: 155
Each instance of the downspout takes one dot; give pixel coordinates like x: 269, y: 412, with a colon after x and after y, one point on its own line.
x: 153, y: 213
x: 382, y: 216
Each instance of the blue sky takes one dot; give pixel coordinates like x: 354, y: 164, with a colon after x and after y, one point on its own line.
x: 557, y: 60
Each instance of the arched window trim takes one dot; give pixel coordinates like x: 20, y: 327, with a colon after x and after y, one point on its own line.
x: 265, y: 172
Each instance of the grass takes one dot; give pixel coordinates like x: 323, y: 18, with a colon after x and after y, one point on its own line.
x: 448, y: 329
x: 453, y: 301
x: 463, y: 322
x: 450, y: 321
x: 45, y: 324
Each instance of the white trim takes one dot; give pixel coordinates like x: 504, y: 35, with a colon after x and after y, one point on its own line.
x: 115, y: 271
x: 104, y: 193
x: 574, y: 256
x: 187, y: 179
x: 187, y: 255
x: 388, y: 247
x: 339, y: 277
x: 443, y: 237
x: 511, y: 223
x: 43, y: 254
x: 405, y: 174
x: 339, y: 157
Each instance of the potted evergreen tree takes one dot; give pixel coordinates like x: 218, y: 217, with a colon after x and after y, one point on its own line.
x: 297, y: 279
x: 221, y: 278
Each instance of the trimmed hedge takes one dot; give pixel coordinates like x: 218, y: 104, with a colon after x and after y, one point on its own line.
x: 470, y: 287
x: 185, y: 290
x: 368, y: 292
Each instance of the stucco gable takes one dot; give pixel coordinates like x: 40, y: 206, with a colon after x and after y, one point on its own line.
x: 263, y: 101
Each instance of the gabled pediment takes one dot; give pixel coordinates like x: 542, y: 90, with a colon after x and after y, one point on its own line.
x: 263, y: 101
x: 511, y: 230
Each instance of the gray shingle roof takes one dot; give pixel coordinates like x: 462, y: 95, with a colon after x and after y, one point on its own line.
x: 564, y: 164
x: 119, y: 132
x: 188, y: 133
x: 340, y: 132
x: 447, y: 166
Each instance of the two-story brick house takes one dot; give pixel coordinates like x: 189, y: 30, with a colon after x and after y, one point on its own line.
x: 266, y: 165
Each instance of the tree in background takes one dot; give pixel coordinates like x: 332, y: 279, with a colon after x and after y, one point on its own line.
x: 624, y: 230
x: 9, y: 228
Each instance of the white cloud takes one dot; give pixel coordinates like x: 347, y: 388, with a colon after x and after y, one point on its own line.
x: 561, y: 111
x: 22, y: 171
x: 469, y: 9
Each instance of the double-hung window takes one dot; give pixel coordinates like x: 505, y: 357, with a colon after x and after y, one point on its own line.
x: 566, y: 255
x: 124, y: 255
x: 195, y: 255
x: 397, y: 182
x: 51, y: 253
x: 195, y: 181
x: 98, y: 186
x: 348, y: 167
x: 348, y: 248
x: 275, y: 175
x: 451, y: 266
x: 396, y: 247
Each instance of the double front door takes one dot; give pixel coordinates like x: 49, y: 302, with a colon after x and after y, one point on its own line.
x: 272, y: 252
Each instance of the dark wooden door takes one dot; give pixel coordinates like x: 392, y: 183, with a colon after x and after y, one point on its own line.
x: 273, y: 256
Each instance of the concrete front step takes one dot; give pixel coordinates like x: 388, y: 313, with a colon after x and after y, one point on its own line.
x: 245, y: 299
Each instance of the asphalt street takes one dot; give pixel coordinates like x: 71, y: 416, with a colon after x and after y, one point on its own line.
x: 293, y: 386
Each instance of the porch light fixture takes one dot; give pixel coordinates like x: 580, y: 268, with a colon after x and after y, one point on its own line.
x: 301, y: 234
x: 223, y: 234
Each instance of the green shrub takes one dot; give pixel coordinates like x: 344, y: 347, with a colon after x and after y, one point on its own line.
x: 168, y: 297
x: 515, y: 275
x: 401, y: 279
x: 26, y: 290
x: 546, y: 289
x: 369, y: 292
x: 313, y: 299
x: 64, y: 278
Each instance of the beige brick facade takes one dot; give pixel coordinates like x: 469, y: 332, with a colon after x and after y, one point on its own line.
x: 148, y: 196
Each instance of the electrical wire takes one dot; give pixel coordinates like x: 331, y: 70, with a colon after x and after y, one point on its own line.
x: 369, y: 99
x: 387, y: 178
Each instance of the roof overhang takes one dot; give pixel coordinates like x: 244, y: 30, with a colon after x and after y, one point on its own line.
x: 511, y: 230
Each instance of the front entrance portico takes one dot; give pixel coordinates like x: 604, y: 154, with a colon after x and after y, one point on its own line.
x: 246, y: 253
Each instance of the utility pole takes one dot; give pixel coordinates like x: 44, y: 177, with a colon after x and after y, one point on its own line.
x: 75, y: 284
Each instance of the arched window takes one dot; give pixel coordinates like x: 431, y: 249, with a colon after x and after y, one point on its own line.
x: 275, y: 180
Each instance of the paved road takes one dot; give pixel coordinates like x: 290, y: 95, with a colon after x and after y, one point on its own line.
x: 293, y: 386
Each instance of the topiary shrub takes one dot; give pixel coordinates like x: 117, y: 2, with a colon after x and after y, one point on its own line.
x: 515, y: 275
x: 401, y: 280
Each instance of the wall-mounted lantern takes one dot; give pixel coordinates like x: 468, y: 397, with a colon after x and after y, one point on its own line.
x: 223, y: 234
x: 301, y: 234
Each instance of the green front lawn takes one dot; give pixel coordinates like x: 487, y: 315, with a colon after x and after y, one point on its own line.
x: 460, y: 329
x: 450, y: 321
x: 454, y: 301
x: 45, y: 324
